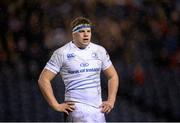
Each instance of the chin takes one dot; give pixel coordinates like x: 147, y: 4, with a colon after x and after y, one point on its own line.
x: 86, y: 43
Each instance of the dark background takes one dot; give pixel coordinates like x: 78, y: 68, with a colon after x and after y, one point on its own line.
x: 141, y: 36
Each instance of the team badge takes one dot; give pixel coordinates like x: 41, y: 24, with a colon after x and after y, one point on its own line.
x: 94, y: 55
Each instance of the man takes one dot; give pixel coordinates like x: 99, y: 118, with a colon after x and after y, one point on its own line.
x: 80, y: 62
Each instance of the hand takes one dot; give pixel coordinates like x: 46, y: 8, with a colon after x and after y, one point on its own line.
x: 106, y: 106
x: 65, y: 107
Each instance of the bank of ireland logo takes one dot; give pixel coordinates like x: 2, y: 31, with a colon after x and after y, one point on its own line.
x: 84, y: 64
x: 94, y: 55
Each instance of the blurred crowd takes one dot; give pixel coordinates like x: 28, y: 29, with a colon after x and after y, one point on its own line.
x: 136, y: 33
x: 31, y: 29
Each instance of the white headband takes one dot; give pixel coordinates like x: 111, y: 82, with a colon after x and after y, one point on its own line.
x: 81, y: 26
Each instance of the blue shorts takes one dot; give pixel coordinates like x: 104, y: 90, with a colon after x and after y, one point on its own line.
x: 85, y: 113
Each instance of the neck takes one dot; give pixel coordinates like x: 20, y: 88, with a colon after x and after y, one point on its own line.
x: 80, y: 47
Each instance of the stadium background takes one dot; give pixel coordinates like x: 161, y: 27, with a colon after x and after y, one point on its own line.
x: 142, y: 37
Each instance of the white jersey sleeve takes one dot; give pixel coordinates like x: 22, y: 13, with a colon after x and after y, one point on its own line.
x: 55, y: 62
x: 106, y: 62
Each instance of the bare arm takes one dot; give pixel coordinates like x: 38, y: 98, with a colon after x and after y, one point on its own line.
x: 113, y: 83
x: 44, y: 83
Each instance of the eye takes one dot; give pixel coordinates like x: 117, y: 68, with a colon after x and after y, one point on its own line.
x: 80, y: 31
x: 88, y: 30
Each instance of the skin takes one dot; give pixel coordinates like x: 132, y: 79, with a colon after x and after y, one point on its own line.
x: 113, y: 83
x: 81, y: 39
x: 45, y: 86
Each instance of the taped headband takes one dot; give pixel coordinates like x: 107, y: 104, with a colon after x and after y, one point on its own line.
x: 81, y: 26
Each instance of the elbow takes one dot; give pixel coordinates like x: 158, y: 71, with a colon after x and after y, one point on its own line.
x: 116, y: 78
x: 40, y: 81
x: 43, y: 81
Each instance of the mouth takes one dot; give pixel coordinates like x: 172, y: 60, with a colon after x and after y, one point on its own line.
x: 85, y: 39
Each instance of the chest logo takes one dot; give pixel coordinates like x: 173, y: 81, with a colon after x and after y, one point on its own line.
x: 84, y: 64
x: 72, y: 55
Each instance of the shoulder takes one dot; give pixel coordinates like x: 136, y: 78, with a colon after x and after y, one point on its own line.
x: 98, y: 48
x: 62, y: 50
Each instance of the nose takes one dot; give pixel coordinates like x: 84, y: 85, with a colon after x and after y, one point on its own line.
x: 85, y: 34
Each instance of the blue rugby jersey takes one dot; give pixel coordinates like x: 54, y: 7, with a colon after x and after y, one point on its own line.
x: 80, y: 70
